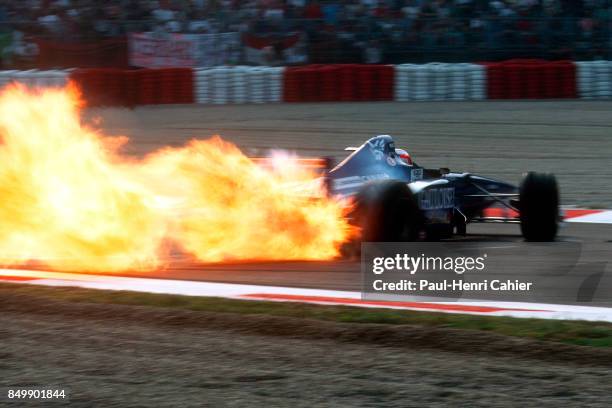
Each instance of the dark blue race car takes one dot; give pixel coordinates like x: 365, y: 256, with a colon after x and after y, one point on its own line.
x: 398, y: 200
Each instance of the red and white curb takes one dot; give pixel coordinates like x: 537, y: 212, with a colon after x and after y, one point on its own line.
x: 315, y: 296
x: 578, y: 215
x: 588, y: 216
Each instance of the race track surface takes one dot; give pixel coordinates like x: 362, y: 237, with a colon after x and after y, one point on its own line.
x: 591, y: 244
x: 498, y: 139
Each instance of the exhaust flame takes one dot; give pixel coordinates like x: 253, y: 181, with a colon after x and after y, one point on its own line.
x: 72, y: 201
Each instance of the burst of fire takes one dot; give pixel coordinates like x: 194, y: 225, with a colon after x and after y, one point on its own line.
x: 71, y: 200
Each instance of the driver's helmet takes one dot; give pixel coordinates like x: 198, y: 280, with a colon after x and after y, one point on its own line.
x: 404, y: 156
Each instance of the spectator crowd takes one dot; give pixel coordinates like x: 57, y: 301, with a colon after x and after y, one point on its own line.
x: 342, y: 30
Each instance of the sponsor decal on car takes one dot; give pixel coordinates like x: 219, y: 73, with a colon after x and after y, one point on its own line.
x: 416, y: 174
x: 377, y: 147
x: 436, y: 199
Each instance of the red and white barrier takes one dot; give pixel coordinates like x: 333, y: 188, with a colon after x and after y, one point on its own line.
x: 513, y: 79
x: 594, y: 79
x: 338, y: 82
x: 117, y: 87
x: 531, y: 79
x: 438, y: 81
x: 240, y: 84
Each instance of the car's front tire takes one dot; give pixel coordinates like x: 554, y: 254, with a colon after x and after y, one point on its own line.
x: 539, y: 207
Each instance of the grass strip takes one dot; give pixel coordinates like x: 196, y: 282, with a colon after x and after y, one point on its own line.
x: 593, y: 334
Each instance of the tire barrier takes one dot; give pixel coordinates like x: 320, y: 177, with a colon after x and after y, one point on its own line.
x: 514, y: 79
x: 438, y: 82
x: 531, y: 79
x: 33, y: 77
x: 162, y: 86
x: 116, y: 87
x: 240, y: 84
x: 339, y: 82
x: 594, y: 79
x: 103, y: 86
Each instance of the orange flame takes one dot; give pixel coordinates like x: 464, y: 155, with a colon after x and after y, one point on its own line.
x: 72, y: 201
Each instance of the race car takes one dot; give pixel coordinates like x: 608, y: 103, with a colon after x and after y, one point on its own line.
x: 397, y: 200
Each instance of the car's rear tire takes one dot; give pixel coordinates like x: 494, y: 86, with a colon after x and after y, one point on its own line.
x: 387, y: 211
x: 539, y: 207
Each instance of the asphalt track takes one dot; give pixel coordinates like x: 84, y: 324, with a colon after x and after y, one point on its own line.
x: 565, y: 280
x: 498, y: 139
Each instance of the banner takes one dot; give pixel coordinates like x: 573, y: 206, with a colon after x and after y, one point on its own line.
x: 183, y: 50
x: 169, y: 50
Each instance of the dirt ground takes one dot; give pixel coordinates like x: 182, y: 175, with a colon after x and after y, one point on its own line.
x: 501, y: 139
x: 115, y: 356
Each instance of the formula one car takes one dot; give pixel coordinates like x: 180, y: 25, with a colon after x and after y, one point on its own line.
x: 398, y: 200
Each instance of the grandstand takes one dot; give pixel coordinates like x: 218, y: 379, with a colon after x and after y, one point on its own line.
x: 63, y: 33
